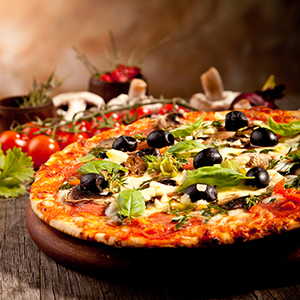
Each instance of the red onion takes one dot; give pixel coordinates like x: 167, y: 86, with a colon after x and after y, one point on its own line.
x: 263, y: 97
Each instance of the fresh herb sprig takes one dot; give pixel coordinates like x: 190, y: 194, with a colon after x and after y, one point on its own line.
x: 40, y: 94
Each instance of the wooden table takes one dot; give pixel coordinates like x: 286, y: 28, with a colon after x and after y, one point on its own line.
x: 27, y: 273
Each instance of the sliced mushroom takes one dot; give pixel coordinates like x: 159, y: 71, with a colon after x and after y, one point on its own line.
x: 169, y: 121
x: 252, y: 160
x: 77, y: 195
x: 220, y: 136
x: 77, y: 103
x: 135, y: 165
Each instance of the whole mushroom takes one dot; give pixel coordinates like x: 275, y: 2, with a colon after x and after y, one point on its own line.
x: 76, y: 103
x: 214, y: 97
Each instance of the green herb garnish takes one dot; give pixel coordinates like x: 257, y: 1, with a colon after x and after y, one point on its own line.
x: 187, y: 129
x: 98, y: 165
x: 284, y: 129
x: 211, y: 210
x: 294, y: 184
x: 251, y: 201
x: 215, y: 175
x: 185, y: 147
x: 40, y: 93
x: 15, y: 169
x: 131, y: 203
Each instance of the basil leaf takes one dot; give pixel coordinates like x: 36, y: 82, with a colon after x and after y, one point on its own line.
x: 98, y: 165
x: 284, y: 129
x: 215, y: 175
x: 131, y: 203
x: 186, y: 130
x: 185, y: 146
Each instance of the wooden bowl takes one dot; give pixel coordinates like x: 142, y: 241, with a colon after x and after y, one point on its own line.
x: 10, y: 111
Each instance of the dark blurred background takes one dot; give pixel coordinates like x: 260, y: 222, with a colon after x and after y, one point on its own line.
x: 245, y: 40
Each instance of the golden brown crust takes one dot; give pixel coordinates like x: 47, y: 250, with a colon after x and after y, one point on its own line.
x: 88, y: 220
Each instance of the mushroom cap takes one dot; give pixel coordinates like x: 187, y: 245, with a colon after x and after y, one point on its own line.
x: 77, y: 103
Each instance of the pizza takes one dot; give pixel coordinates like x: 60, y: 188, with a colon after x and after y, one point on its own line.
x: 183, y: 179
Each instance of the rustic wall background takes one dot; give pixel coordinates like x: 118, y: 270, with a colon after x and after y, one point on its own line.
x: 245, y: 40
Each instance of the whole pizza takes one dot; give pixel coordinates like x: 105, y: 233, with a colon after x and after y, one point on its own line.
x: 183, y: 179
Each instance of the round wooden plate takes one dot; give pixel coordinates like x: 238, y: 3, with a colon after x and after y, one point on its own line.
x: 96, y: 257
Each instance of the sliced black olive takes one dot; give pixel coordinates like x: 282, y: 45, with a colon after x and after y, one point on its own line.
x: 261, y: 177
x: 201, y: 191
x: 160, y: 138
x: 235, y: 120
x: 235, y: 203
x: 207, y: 157
x: 168, y: 181
x: 93, y: 182
x: 147, y: 151
x: 263, y: 137
x: 295, y: 169
x: 125, y: 143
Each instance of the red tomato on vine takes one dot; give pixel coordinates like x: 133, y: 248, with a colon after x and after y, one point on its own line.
x: 10, y: 139
x: 40, y: 148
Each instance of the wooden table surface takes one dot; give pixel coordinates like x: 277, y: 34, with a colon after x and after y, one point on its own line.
x: 27, y: 273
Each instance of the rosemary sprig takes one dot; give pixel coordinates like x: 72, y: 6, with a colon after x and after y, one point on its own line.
x: 95, y: 72
x: 40, y: 93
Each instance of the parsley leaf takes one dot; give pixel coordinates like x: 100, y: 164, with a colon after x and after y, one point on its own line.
x: 15, y: 168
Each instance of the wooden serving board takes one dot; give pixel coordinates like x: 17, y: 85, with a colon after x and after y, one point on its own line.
x: 95, y: 257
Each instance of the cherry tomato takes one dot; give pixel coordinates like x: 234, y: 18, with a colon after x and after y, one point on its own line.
x: 78, y: 136
x: 143, y: 111
x: 62, y: 138
x: 167, y: 108
x: 115, y: 118
x: 10, y: 139
x: 138, y: 113
x: 40, y: 148
x: 85, y: 126
x: 30, y: 130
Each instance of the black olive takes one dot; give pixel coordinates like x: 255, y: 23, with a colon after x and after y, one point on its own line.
x: 201, y: 191
x: 93, y: 182
x: 125, y: 143
x: 168, y: 181
x: 235, y: 120
x: 295, y: 169
x: 160, y: 138
x: 207, y: 157
x: 263, y: 137
x: 261, y: 177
